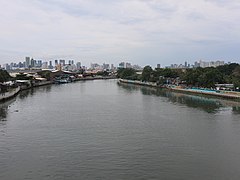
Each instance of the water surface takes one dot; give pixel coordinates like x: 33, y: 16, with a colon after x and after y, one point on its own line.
x: 102, y: 130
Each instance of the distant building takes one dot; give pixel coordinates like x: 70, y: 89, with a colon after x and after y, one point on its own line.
x: 69, y: 67
x: 7, y: 67
x: 128, y: 65
x: 95, y: 66
x: 205, y: 64
x: 62, y: 62
x: 32, y: 63
x: 106, y: 66
x: 78, y: 65
x: 121, y: 65
x: 45, y: 65
x: 112, y: 67
x: 56, y: 62
x: 158, y: 65
x: 39, y: 63
x: 137, y: 67
x: 70, y: 62
x: 28, y: 63
x: 50, y: 65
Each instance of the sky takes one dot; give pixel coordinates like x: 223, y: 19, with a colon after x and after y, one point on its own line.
x: 144, y: 32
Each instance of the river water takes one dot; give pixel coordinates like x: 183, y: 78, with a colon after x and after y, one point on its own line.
x: 104, y: 130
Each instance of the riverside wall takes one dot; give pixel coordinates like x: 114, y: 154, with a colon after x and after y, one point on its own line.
x: 222, y: 94
x: 11, y: 93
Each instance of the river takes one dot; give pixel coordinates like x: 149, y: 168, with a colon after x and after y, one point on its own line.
x: 103, y: 130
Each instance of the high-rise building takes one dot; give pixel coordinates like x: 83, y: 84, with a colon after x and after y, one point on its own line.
x: 158, y: 65
x: 121, y: 65
x: 50, y: 65
x: 28, y: 63
x: 106, y: 66
x: 205, y: 64
x: 56, y: 62
x: 62, y: 62
x: 39, y: 63
x: 32, y: 63
x: 128, y: 65
x: 45, y: 65
x: 78, y: 65
x: 95, y: 66
x: 7, y: 67
x: 112, y: 67
x: 71, y: 62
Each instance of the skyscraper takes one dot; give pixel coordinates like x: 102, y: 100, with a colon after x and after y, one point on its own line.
x: 56, y: 62
x: 78, y: 65
x: 28, y: 63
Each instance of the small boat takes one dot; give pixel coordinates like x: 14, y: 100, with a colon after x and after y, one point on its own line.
x: 62, y: 81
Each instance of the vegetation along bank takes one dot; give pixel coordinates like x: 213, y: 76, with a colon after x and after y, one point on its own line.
x: 222, y: 81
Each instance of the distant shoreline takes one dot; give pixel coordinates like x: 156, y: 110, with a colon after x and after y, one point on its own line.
x: 12, y: 93
x: 222, y: 94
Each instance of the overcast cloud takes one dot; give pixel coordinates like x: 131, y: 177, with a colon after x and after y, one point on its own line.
x: 139, y: 31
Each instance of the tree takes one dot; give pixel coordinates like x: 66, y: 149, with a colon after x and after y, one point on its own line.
x: 4, y: 76
x: 227, y: 69
x: 236, y: 71
x: 45, y: 74
x: 236, y: 77
x: 127, y: 73
x: 147, y: 73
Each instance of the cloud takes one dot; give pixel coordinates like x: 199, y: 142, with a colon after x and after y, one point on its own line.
x: 137, y: 30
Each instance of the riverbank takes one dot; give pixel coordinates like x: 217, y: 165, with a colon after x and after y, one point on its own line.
x: 95, y: 78
x: 11, y: 93
x: 220, y: 93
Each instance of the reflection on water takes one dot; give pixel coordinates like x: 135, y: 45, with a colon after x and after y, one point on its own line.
x: 99, y: 130
x: 32, y: 92
x: 4, y: 106
x: 210, y: 105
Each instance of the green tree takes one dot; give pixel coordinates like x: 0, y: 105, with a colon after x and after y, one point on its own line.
x: 211, y: 76
x: 236, y: 76
x: 127, y: 73
x: 4, y: 76
x: 227, y: 69
x: 45, y: 74
x: 147, y: 73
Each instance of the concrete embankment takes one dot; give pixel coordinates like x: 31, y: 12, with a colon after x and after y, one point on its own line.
x: 150, y: 84
x: 222, y: 94
x: 11, y: 93
x: 94, y: 78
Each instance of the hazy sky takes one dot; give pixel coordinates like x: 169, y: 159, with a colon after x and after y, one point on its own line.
x: 139, y: 31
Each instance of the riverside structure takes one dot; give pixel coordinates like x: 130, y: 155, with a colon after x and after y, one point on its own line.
x: 27, y: 84
x: 217, y: 93
x: 9, y: 94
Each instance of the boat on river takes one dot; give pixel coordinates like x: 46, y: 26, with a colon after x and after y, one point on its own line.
x: 62, y: 81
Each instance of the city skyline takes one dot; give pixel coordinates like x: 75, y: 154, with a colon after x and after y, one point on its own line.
x: 72, y: 65
x: 138, y: 31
